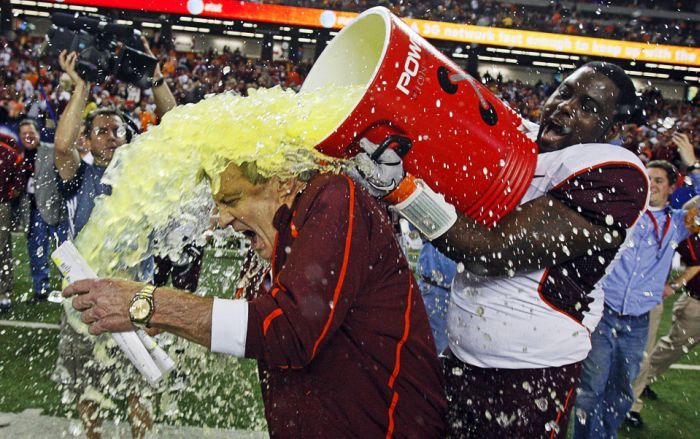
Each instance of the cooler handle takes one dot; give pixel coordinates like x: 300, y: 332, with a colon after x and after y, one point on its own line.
x: 403, y: 146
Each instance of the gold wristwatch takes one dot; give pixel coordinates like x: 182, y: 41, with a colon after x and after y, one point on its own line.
x: 142, y: 307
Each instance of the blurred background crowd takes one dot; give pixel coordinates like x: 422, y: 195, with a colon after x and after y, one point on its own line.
x: 587, y: 18
x: 30, y: 88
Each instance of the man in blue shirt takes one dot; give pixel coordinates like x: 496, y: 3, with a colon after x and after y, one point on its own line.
x: 632, y: 288
x: 435, y: 273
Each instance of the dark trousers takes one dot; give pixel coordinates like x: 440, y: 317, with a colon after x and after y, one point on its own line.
x: 5, y: 247
x: 509, y: 403
x: 184, y: 277
x: 39, y: 239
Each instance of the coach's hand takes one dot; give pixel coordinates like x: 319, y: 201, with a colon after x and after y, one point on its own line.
x: 104, y: 303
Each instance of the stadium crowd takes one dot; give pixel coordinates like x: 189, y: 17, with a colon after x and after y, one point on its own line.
x: 556, y: 18
x: 29, y: 88
x: 32, y: 89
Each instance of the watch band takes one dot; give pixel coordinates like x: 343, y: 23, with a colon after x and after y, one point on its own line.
x: 146, y: 293
x: 158, y: 82
x: 694, y: 167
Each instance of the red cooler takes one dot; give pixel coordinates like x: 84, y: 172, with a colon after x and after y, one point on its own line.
x: 452, y: 131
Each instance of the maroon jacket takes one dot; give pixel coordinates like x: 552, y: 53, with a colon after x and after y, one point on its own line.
x: 342, y: 336
x: 690, y: 255
x: 12, y: 180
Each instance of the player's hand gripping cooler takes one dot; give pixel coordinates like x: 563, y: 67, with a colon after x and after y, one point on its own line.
x: 448, y: 128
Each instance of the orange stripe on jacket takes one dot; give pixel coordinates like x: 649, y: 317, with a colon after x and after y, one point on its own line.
x: 399, y: 346
x: 270, y: 317
x: 341, y: 277
x: 406, y: 328
x: 394, y: 401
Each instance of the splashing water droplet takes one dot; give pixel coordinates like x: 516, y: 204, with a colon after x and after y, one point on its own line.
x: 542, y: 403
x: 581, y: 416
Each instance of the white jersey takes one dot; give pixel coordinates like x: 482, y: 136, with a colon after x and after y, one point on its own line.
x: 544, y: 318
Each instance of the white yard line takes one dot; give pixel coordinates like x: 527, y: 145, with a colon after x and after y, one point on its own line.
x: 29, y: 325
x: 685, y: 366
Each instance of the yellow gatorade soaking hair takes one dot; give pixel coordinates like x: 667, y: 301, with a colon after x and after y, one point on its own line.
x: 160, y: 173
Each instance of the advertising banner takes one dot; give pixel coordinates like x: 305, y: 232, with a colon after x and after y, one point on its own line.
x: 490, y: 36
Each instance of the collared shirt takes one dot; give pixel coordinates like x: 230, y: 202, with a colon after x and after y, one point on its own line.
x: 85, y: 186
x: 435, y: 274
x: 636, y: 282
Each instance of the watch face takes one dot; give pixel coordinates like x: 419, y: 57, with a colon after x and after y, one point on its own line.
x: 140, y: 309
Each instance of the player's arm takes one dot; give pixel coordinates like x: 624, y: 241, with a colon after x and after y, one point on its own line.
x: 538, y: 234
x: 68, y: 130
x: 586, y: 213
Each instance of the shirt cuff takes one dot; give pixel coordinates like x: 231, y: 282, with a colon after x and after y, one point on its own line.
x: 229, y: 326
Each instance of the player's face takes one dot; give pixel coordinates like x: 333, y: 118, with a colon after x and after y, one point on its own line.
x: 580, y: 110
x: 108, y: 133
x: 659, y: 187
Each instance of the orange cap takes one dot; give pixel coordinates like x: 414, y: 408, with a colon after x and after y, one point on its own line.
x: 404, y: 190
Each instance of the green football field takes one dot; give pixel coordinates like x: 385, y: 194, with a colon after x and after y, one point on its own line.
x: 217, y: 391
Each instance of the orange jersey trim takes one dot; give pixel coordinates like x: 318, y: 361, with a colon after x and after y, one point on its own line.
x: 560, y: 412
x: 545, y: 275
x: 346, y: 254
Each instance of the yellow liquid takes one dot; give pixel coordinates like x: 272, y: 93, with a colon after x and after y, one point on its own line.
x: 158, y: 173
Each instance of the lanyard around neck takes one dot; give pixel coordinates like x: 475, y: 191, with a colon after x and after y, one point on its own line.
x: 667, y: 225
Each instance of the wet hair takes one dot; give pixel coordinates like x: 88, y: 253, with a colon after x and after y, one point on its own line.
x: 32, y: 122
x: 131, y: 127
x: 251, y: 173
x: 628, y: 105
x: 671, y: 171
x: 106, y: 111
